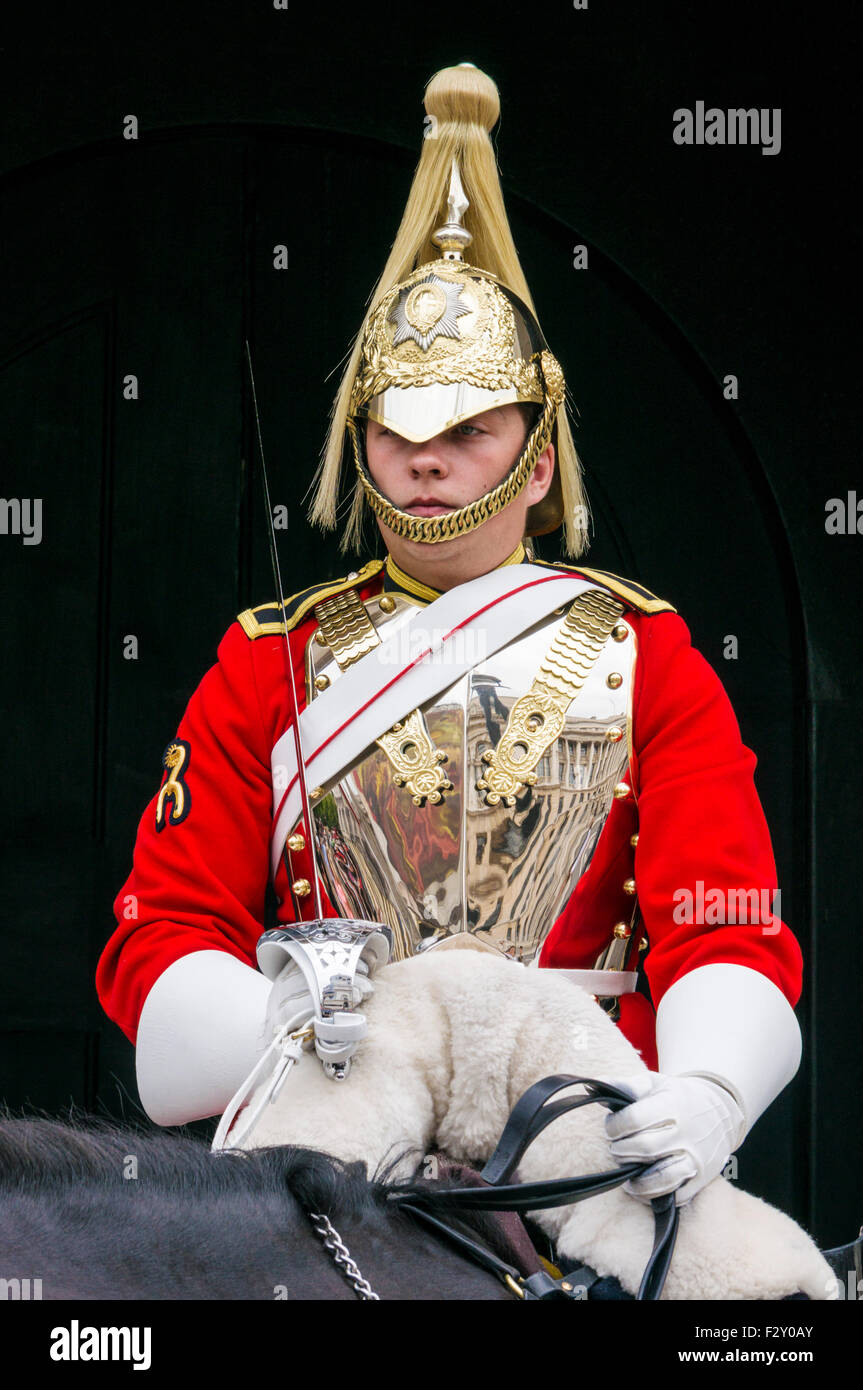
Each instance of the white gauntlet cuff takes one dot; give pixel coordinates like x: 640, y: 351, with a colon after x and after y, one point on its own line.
x: 199, y: 1036
x: 732, y: 1025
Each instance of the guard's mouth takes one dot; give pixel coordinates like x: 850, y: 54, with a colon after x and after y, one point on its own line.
x: 428, y: 506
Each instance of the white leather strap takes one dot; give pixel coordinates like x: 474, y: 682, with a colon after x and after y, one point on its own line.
x: 484, y: 615
x: 602, y: 983
x: 199, y: 1034
x: 283, y: 1053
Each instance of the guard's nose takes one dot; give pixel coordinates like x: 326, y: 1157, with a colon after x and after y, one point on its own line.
x: 427, y: 460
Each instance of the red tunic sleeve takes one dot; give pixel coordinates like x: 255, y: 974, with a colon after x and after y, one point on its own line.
x: 200, y: 883
x: 700, y: 823
x: 703, y: 854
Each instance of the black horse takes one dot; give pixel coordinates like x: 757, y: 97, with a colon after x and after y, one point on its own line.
x: 91, y: 1210
x: 94, y: 1211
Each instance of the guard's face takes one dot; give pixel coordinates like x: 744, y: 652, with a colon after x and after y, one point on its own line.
x: 448, y: 472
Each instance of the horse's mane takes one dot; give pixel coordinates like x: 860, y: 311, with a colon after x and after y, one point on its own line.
x: 46, y: 1158
x: 43, y: 1157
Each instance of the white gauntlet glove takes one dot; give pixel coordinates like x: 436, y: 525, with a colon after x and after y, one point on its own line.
x: 727, y: 1043
x: 688, y: 1125
x: 290, y: 1001
x: 320, y: 973
x: 290, y: 1006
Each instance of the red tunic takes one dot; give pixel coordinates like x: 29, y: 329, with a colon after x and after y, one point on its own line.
x: 200, y: 884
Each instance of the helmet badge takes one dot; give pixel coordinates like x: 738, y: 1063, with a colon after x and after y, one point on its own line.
x: 427, y: 311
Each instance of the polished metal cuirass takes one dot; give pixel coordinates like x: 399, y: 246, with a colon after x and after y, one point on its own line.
x: 460, y: 865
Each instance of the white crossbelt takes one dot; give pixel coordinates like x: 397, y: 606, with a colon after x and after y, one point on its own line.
x: 484, y: 615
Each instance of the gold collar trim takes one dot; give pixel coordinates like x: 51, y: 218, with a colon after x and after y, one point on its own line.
x: 399, y: 580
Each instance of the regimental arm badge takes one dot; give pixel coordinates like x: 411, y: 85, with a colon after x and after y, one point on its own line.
x: 175, y: 761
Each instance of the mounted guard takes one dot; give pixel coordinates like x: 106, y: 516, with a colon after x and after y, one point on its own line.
x: 459, y: 743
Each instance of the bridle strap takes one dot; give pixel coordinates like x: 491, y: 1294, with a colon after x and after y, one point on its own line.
x: 533, y: 1196
x: 665, y: 1218
x: 540, y: 1286
x: 533, y: 1113
x: 528, y: 1119
x: 472, y: 1248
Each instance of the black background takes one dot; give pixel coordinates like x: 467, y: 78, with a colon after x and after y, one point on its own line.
x: 154, y: 257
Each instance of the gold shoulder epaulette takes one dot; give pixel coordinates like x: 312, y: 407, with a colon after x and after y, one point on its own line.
x: 634, y: 594
x: 266, y: 619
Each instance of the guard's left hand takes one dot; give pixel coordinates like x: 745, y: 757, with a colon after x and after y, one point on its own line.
x: 687, y: 1125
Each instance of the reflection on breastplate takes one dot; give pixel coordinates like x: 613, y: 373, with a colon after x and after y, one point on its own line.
x: 502, y: 872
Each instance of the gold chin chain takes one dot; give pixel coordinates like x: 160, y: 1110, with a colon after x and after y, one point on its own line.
x: 449, y: 526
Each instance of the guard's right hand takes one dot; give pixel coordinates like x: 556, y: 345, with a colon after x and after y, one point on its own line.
x: 289, y: 1002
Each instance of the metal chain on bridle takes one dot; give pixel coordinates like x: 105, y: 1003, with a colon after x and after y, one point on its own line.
x: 342, y: 1257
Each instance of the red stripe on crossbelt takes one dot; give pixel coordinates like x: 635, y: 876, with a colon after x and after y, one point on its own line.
x: 290, y: 787
x: 424, y: 654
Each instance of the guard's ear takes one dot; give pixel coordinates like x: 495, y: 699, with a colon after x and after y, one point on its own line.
x: 546, y: 515
x: 542, y: 478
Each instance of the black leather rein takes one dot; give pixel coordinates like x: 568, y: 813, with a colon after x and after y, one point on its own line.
x: 533, y: 1112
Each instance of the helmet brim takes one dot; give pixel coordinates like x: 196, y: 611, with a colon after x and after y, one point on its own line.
x: 418, y: 413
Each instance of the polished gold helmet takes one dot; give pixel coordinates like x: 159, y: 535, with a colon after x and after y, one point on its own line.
x: 446, y: 339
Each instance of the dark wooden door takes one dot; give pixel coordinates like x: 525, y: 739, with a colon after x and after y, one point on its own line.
x: 155, y: 260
